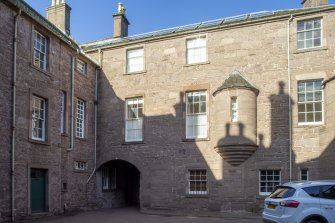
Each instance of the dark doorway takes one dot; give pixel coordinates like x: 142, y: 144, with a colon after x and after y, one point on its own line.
x: 38, y: 190
x: 126, y: 180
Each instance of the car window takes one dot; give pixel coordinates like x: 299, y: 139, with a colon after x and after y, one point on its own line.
x: 282, y: 192
x: 328, y: 192
x: 312, y: 191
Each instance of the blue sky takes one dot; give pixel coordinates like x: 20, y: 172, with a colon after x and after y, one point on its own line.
x: 93, y: 20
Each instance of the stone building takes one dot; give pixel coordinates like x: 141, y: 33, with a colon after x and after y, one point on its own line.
x: 212, y: 116
x: 47, y: 114
x: 206, y: 117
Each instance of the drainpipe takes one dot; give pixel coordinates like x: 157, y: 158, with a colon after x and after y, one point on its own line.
x: 72, y: 105
x: 95, y: 122
x: 289, y: 90
x: 97, y: 70
x: 14, y: 115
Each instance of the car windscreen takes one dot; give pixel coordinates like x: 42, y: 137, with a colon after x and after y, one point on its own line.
x: 282, y: 192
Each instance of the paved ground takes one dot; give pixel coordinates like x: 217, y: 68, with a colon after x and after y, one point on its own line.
x: 134, y: 216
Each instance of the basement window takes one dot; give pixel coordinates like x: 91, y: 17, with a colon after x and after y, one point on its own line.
x: 197, y: 180
x: 268, y: 181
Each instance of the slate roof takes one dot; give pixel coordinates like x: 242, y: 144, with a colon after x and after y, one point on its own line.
x: 203, y: 26
x: 236, y: 80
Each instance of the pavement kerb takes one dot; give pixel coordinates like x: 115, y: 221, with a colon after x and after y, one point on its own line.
x: 223, y: 215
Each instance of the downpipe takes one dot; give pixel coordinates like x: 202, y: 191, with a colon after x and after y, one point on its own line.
x: 289, y: 90
x: 14, y: 116
x: 72, y: 105
x: 95, y: 123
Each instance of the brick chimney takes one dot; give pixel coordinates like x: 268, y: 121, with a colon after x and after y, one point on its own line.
x: 314, y: 3
x: 59, y: 14
x: 120, y: 22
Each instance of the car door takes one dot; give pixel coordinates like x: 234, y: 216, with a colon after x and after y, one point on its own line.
x: 327, y: 200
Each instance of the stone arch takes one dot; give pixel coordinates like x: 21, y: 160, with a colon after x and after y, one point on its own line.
x: 120, y: 183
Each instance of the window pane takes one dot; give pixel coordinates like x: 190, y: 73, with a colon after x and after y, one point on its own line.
x: 312, y: 95
x: 310, y: 107
x: 301, y: 98
x: 318, y: 116
x: 301, y: 26
x: 317, y: 23
x: 317, y: 42
x: 310, y: 117
x: 301, y: 108
x: 309, y: 35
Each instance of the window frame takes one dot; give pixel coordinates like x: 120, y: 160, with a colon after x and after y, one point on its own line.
x: 39, y: 51
x: 305, y: 123
x: 188, y: 40
x: 197, y: 192
x: 142, y: 57
x: 63, y: 112
x: 44, y: 120
x: 139, y: 119
x: 310, y: 30
x: 84, y: 70
x: 82, y: 167
x: 187, y: 115
x: 307, y: 174
x: 110, y: 175
x: 266, y: 181
x: 80, y: 134
x: 234, y: 110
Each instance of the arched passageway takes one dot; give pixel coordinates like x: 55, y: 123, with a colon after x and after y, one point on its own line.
x: 120, y: 182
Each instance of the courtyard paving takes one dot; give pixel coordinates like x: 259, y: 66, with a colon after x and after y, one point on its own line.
x: 130, y: 215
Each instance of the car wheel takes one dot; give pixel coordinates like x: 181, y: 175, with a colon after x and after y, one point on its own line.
x: 313, y: 221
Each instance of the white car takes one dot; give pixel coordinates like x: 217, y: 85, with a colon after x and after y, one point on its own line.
x: 301, y: 202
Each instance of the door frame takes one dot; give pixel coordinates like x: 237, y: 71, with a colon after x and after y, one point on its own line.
x: 47, y: 193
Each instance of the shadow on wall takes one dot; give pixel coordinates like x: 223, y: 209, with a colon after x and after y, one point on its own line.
x: 159, y: 167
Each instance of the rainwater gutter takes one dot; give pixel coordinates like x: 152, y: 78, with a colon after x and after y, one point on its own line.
x: 289, y: 90
x: 14, y: 115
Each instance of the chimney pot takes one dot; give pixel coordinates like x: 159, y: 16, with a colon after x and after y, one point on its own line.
x: 121, y: 22
x: 59, y: 14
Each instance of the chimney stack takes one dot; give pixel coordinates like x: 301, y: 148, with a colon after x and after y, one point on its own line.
x: 314, y: 3
x: 59, y: 14
x: 120, y: 22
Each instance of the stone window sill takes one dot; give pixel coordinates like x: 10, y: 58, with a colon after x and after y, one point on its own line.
x: 46, y: 72
x: 44, y: 143
x: 195, y: 140
x: 196, y: 64
x: 297, y: 51
x: 197, y: 195
x: 133, y: 143
x: 135, y: 72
